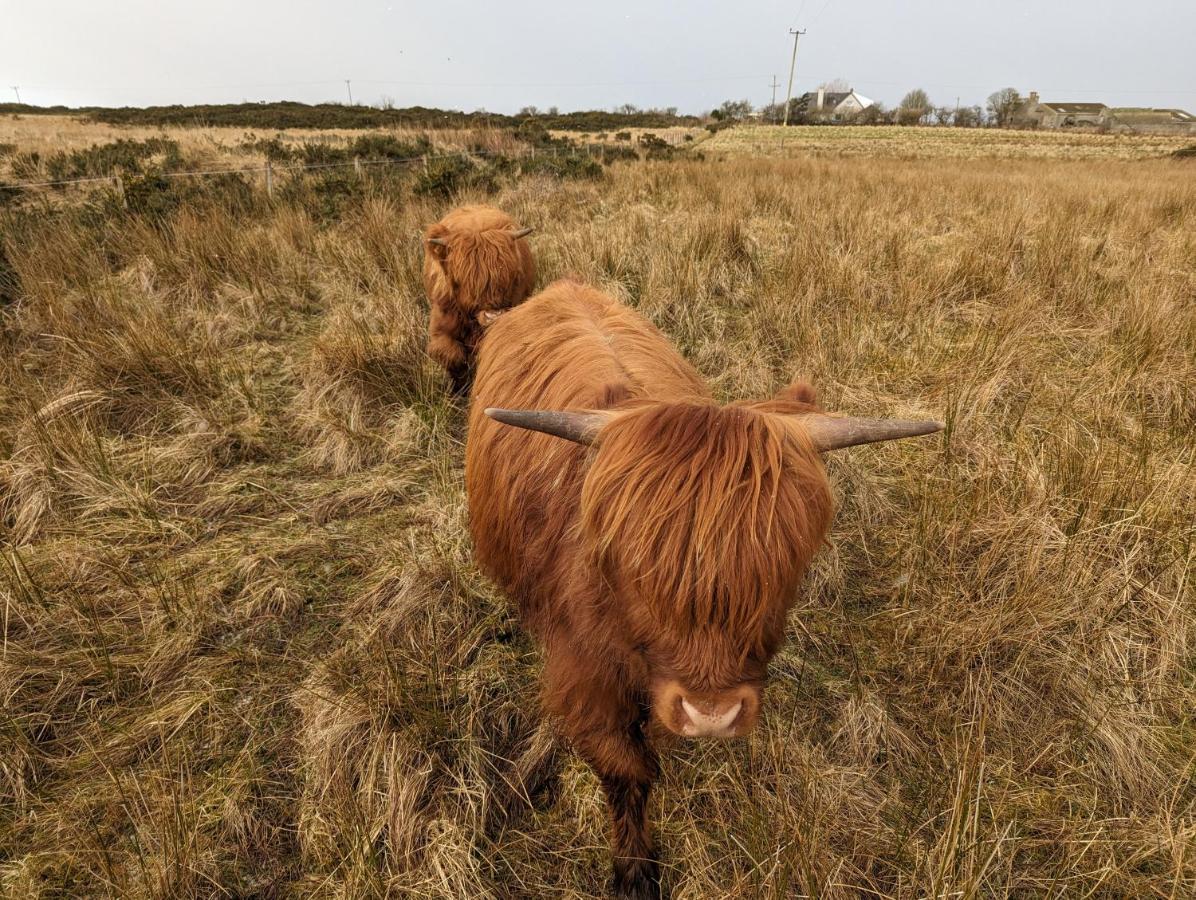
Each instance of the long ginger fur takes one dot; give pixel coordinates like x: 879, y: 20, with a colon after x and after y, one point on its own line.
x: 673, y: 549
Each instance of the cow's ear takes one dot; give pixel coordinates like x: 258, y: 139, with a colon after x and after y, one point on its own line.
x: 799, y: 391
x: 435, y: 241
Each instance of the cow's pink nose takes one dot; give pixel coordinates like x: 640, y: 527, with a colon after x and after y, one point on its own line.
x: 698, y: 714
x: 709, y: 719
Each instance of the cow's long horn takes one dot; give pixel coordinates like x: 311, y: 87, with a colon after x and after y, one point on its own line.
x: 576, y: 426
x: 523, y: 232
x: 441, y: 242
x: 836, y: 432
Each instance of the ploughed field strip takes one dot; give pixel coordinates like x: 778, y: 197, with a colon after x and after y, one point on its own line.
x: 247, y: 649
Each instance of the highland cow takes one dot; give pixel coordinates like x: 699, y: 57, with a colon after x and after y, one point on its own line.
x: 476, y: 265
x: 654, y: 551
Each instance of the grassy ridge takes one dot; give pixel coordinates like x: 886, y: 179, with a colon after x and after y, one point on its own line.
x: 290, y: 114
x: 246, y: 651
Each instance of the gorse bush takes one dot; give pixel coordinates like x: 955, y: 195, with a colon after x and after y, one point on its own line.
x: 608, y: 153
x: 273, y: 148
x: 324, y: 195
x: 120, y: 156
x: 446, y: 176
x: 368, y: 146
x: 385, y: 146
x: 569, y: 165
x: 154, y: 196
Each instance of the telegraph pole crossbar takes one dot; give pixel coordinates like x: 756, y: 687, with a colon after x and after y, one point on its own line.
x: 792, y: 62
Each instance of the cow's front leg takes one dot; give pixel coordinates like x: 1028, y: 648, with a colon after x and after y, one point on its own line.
x: 604, y: 721
x: 636, y: 873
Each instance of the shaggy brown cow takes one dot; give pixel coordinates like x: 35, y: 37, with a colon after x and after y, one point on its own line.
x: 476, y: 265
x: 656, y: 564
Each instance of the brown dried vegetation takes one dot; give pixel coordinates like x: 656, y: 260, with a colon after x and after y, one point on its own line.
x: 246, y: 650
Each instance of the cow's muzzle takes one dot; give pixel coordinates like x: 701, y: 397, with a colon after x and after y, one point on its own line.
x: 719, y: 714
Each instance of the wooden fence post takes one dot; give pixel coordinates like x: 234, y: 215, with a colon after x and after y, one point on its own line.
x: 120, y: 191
x: 425, y: 164
x: 269, y: 179
x: 357, y: 165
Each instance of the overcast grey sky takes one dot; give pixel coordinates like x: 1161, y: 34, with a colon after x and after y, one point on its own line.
x: 503, y: 54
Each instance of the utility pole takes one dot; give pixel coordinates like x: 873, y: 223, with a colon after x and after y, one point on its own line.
x: 775, y: 84
x: 792, y: 63
x: 349, y: 87
x: 16, y: 89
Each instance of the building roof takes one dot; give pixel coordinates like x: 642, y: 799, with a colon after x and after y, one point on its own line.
x: 1142, y: 114
x: 1075, y: 107
x: 830, y: 99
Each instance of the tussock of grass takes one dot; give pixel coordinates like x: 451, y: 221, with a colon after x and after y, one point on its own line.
x: 245, y: 650
x: 359, y: 380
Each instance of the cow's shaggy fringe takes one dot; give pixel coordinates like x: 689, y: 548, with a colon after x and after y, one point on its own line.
x: 237, y: 660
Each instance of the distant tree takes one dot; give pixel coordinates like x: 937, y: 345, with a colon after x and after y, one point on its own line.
x: 529, y: 111
x: 387, y: 102
x: 553, y: 111
x: 732, y: 110
x: 627, y: 109
x: 773, y: 113
x: 943, y: 115
x: 914, y: 107
x: 836, y: 85
x: 872, y: 115
x: 968, y: 117
x: 1003, y: 106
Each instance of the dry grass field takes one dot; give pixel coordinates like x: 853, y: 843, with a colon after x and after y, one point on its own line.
x: 207, y: 148
x: 938, y: 143
x: 246, y: 653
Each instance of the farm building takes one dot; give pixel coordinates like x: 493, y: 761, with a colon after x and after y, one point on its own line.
x: 1097, y: 115
x: 1155, y: 121
x: 830, y: 104
x: 1064, y: 115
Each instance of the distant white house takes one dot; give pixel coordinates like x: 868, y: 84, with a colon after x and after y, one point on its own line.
x: 831, y: 104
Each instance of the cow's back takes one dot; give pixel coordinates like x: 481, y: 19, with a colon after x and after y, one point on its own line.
x: 569, y: 347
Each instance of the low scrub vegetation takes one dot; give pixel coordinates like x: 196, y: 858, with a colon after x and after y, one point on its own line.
x: 286, y: 114
x: 246, y: 651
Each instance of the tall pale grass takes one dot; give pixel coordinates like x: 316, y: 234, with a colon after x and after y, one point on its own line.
x: 245, y: 650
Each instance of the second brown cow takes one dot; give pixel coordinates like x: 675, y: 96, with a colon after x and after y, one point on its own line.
x: 477, y: 264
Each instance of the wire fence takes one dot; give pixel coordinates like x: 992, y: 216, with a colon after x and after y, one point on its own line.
x: 358, y: 163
